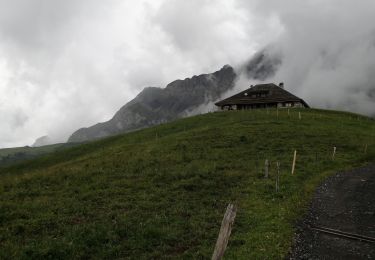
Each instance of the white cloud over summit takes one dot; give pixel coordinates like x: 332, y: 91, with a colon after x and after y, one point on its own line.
x: 69, y: 64
x: 328, y: 50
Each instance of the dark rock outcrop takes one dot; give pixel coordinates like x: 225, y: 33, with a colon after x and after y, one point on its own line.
x: 156, y: 105
x: 263, y: 65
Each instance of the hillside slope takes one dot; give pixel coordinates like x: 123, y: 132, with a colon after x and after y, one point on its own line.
x: 10, y: 156
x: 162, y: 191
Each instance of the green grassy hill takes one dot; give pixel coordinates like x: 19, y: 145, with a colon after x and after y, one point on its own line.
x: 10, y: 156
x: 162, y: 191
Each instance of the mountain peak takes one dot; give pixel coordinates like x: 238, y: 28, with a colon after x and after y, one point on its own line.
x: 179, y: 98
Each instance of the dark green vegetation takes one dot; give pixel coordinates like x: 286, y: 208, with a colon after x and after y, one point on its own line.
x: 9, y: 156
x: 162, y: 191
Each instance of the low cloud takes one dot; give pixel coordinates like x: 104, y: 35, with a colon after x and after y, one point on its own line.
x: 328, y: 51
x: 69, y: 64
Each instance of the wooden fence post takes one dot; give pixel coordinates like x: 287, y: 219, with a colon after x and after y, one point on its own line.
x: 224, y: 234
x: 299, y: 115
x: 278, y: 176
x: 334, y: 153
x: 266, y: 167
x: 365, y: 148
x: 294, y: 161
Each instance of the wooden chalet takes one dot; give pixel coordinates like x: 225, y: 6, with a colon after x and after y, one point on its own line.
x: 262, y: 96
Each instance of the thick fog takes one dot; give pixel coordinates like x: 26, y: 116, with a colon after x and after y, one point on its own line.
x: 328, y: 51
x: 70, y: 64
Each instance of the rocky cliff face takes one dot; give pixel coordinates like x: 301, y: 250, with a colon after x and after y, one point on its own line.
x: 180, y: 98
x: 156, y: 105
x: 263, y: 65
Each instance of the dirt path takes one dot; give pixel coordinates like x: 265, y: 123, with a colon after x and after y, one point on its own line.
x: 345, y: 202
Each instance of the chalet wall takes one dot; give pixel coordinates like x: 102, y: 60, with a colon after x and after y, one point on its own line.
x: 260, y: 106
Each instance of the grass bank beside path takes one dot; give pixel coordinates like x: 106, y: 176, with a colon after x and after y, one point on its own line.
x: 162, y: 192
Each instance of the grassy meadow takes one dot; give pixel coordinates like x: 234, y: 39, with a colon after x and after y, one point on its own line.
x: 162, y: 192
x: 10, y: 156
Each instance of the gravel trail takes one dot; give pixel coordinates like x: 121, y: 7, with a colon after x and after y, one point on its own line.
x: 345, y: 202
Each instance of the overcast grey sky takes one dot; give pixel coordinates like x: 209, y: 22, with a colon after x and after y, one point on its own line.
x: 66, y: 64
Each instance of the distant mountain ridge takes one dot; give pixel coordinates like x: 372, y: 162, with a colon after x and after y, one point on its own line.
x: 156, y: 105
x: 41, y: 141
x: 179, y: 98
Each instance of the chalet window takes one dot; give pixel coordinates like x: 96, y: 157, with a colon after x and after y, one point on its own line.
x: 289, y: 104
x: 259, y: 94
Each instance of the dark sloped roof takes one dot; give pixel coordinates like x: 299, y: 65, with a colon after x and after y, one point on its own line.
x: 274, y: 94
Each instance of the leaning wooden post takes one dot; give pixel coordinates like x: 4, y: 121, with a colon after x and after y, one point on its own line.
x: 266, y: 167
x: 294, y: 161
x: 299, y: 115
x: 365, y: 148
x: 334, y: 153
x: 278, y: 176
x: 224, y: 234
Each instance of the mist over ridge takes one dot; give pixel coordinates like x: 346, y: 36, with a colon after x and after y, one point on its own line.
x: 68, y: 65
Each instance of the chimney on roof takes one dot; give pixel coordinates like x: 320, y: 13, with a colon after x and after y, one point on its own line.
x: 281, y: 84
